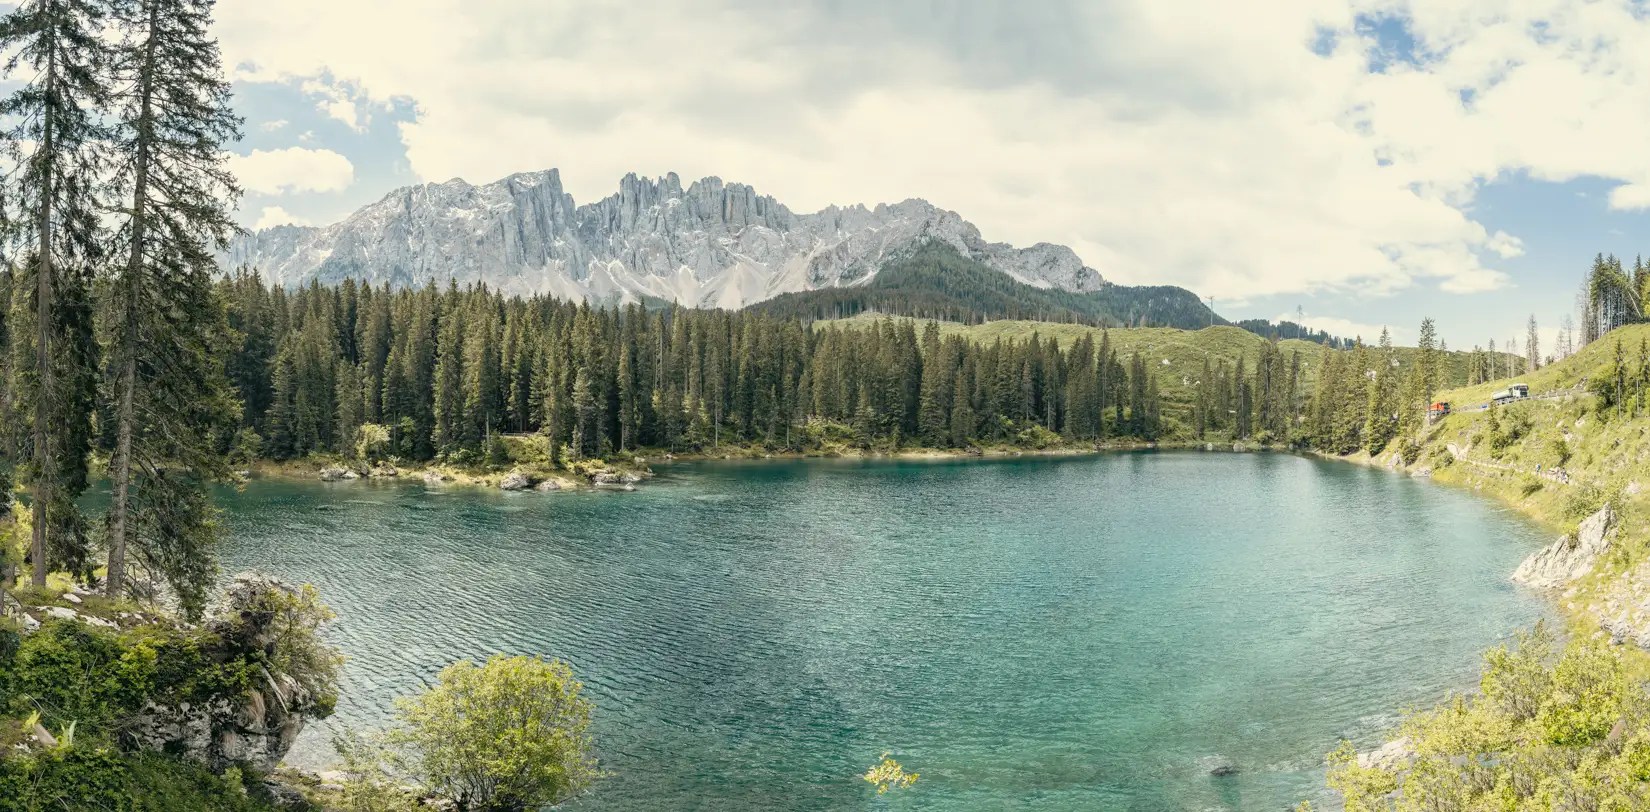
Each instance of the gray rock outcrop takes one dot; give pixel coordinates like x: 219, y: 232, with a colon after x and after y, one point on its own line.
x: 515, y: 481
x: 334, y: 474
x: 1571, y: 557
x: 256, y: 727
x: 1394, y: 755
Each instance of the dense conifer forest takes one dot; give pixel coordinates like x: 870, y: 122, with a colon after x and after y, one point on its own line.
x: 935, y: 282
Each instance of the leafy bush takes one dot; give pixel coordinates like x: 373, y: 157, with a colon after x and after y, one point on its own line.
x: 366, y: 787
x: 96, y: 777
x: 1558, y: 451
x: 95, y: 678
x: 1035, y: 436
x: 298, y: 648
x: 1583, y: 499
x: 512, y: 734
x: 819, y: 433
x: 372, y: 441
x: 1540, y: 735
x: 74, y: 673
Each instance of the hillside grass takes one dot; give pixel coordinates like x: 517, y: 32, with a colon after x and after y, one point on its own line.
x: 1467, y: 749
x: 1510, y: 455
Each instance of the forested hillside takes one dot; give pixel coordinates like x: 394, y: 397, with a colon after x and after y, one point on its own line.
x: 935, y: 282
x: 441, y: 374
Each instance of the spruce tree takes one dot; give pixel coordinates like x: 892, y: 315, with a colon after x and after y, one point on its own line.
x: 172, y: 399
x: 56, y: 48
x: 1380, y: 425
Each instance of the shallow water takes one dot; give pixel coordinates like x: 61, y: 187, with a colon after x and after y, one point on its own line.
x: 1083, y: 633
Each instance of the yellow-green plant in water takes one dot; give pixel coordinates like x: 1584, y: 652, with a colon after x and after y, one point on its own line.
x: 889, y: 775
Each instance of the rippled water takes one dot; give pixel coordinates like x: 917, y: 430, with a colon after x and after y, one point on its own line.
x: 1027, y: 634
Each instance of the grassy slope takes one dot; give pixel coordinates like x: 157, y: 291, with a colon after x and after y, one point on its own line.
x: 1607, y: 454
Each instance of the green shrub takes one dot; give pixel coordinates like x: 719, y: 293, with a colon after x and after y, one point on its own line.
x: 512, y: 734
x: 1540, y: 735
x: 1035, y: 436
x: 84, y: 778
x: 1558, y: 451
x: 74, y: 673
x: 1583, y: 499
x: 299, y: 650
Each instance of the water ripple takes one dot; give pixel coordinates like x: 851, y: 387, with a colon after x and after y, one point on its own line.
x: 1028, y: 634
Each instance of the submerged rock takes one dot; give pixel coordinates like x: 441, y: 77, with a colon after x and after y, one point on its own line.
x: 1569, y: 558
x: 1218, y: 766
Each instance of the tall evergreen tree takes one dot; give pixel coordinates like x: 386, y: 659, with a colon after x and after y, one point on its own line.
x: 56, y: 47
x: 166, y: 325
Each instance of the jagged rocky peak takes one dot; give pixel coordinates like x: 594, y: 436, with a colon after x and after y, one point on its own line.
x: 712, y: 244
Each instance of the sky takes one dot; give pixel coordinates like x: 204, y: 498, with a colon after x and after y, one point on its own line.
x: 1365, y: 162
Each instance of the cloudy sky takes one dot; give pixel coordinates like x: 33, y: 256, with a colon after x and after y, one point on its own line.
x: 1369, y: 162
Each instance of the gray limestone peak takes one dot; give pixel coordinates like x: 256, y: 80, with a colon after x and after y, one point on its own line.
x: 711, y: 244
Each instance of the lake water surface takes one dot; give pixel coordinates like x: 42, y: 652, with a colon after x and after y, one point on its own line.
x: 1047, y: 634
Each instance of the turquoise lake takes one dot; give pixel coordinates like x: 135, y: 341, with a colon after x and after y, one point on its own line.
x: 1052, y: 634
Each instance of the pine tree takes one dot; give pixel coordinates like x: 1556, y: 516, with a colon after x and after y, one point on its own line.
x: 1381, y: 424
x: 172, y: 397
x: 57, y: 47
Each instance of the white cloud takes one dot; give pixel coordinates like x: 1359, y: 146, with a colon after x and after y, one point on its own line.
x: 293, y: 169
x: 272, y: 126
x: 277, y: 216
x: 1227, y: 156
x: 1630, y: 197
x: 339, y: 101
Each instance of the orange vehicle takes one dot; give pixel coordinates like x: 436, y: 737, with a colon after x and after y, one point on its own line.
x: 1438, y: 411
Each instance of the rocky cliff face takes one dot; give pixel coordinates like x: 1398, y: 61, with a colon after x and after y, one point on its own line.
x: 712, y: 244
x: 1571, y: 557
x: 256, y: 728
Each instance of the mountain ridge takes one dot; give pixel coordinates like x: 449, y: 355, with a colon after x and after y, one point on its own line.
x: 710, y: 244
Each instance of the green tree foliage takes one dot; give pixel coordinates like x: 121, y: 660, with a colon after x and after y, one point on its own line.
x: 935, y: 282
x: 1611, y: 297
x: 511, y: 734
x: 57, y: 50
x: 1541, y: 734
x: 457, y: 368
x: 100, y: 777
x: 1382, y: 422
x: 165, y: 324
